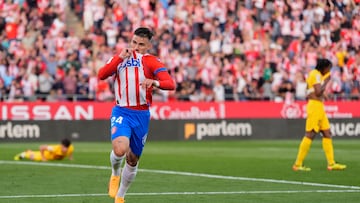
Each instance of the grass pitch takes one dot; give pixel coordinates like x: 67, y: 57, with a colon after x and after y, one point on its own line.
x: 248, y: 171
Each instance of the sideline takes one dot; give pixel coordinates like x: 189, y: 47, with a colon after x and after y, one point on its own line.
x: 185, y: 174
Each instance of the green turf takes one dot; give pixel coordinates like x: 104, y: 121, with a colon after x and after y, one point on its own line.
x: 212, y: 171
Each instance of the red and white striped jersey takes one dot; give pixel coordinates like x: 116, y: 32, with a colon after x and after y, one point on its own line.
x: 129, y: 74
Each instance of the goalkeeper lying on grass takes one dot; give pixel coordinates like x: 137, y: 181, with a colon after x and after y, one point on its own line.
x: 48, y: 152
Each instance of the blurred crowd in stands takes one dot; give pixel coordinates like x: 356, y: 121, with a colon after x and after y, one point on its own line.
x: 216, y: 50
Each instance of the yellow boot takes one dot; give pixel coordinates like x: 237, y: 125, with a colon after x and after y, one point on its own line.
x: 113, y: 185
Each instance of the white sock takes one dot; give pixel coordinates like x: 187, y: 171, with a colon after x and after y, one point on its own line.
x: 128, y: 176
x: 116, y: 163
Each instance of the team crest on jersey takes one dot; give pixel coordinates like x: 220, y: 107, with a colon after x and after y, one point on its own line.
x: 113, y: 130
x: 130, y: 63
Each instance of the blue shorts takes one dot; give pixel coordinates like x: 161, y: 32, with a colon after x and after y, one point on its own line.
x: 133, y: 124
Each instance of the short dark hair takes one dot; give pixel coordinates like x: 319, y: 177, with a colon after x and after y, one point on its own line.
x: 66, y: 142
x: 144, y: 32
x: 322, y: 64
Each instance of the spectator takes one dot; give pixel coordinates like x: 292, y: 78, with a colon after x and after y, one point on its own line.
x: 27, y: 88
x: 3, y: 91
x: 300, y: 86
x: 82, y: 88
x: 51, y: 64
x: 46, y: 82
x: 229, y: 86
x: 219, y: 91
x: 286, y: 90
x: 16, y: 93
x: 252, y: 91
x: 70, y: 83
x: 104, y: 92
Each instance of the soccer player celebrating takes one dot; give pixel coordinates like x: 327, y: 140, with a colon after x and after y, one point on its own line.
x: 48, y: 152
x: 135, y: 74
x: 317, y: 120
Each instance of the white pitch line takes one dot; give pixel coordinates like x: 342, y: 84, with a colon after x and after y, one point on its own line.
x: 48, y: 196
x: 188, y: 174
x: 183, y: 193
x: 250, y: 179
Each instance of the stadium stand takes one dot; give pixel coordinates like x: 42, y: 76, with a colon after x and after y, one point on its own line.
x: 216, y: 50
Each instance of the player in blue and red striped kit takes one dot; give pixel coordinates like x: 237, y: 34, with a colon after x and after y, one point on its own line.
x: 135, y: 74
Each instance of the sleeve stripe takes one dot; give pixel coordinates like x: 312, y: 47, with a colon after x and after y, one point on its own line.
x: 159, y: 70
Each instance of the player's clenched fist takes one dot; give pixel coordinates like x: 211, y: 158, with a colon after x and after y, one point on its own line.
x: 125, y: 53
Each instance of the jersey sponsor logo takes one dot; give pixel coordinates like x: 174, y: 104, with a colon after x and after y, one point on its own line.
x: 19, y: 131
x: 217, y: 129
x: 130, y: 63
